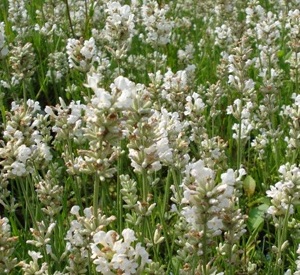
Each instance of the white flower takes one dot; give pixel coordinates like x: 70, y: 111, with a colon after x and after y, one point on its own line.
x: 163, y: 150
x: 106, y: 239
x: 156, y: 166
x: 158, y: 27
x: 200, y: 172
x: 120, y: 261
x: 228, y: 178
x: 34, y: 105
x: 76, y: 111
x: 114, y: 254
x: 215, y: 224
x: 285, y: 193
x: 127, y: 89
x: 18, y: 168
x: 102, y: 99
x: 75, y: 210
x: 35, y: 255
x: 141, y: 251
x: 23, y: 153
x: 89, y: 49
x: 190, y: 215
x: 102, y: 265
x: 44, y: 151
x: 128, y: 235
x: 92, y: 81
x: 48, y: 248
x: 119, y: 22
x: 194, y: 103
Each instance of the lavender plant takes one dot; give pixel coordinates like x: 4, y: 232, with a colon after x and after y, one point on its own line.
x: 149, y: 137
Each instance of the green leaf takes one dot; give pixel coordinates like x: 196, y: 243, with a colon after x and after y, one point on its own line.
x: 249, y: 185
x: 256, y: 216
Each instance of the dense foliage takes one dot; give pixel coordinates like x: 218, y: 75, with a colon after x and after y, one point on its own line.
x: 149, y: 137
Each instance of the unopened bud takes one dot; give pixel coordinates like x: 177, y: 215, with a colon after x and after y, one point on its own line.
x: 284, y: 245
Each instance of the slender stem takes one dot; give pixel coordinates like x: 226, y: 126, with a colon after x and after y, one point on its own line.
x: 144, y: 185
x: 96, y: 195
x: 24, y: 93
x: 2, y: 110
x: 204, y: 246
x: 239, y: 144
x: 69, y: 17
x: 87, y: 18
x: 282, y: 234
x: 166, y: 194
x: 297, y: 75
x: 25, y: 190
x: 230, y: 246
x: 119, y: 195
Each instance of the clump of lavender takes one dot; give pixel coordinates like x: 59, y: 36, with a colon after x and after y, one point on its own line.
x: 208, y: 210
x: 240, y: 89
x: 51, y: 20
x: 297, y: 272
x: 265, y: 30
x: 112, y: 253
x: 22, y: 63
x: 171, y: 88
x: 291, y: 113
x: 64, y: 18
x: 104, y: 126
x: 153, y: 141
x: 3, y: 46
x: 118, y: 30
x: 18, y: 17
x: 157, y: 25
x: 34, y: 267
x: 25, y: 141
x: 49, y: 191
x: 58, y: 67
x: 293, y: 36
x: 210, y: 149
x: 285, y: 196
x: 82, y: 54
x: 42, y: 239
x: 7, y: 241
x: 80, y: 237
x: 66, y: 123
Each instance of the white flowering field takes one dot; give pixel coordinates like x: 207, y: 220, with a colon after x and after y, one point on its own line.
x: 150, y: 137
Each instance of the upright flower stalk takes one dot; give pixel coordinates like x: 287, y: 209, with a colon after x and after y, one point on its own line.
x: 284, y: 196
x: 208, y: 208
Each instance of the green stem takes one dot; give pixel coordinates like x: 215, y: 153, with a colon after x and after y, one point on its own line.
x: 239, y: 144
x: 25, y: 192
x: 144, y: 185
x: 24, y: 93
x: 2, y: 110
x: 297, y: 76
x: 282, y: 236
x: 150, y: 231
x: 96, y: 195
x: 166, y: 194
x: 69, y: 17
x: 230, y: 246
x: 119, y: 195
x: 204, y: 246
x: 87, y: 19
x: 177, y: 181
